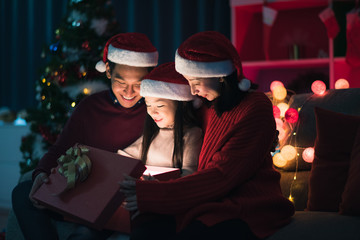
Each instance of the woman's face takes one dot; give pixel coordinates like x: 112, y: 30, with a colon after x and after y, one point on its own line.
x: 208, y: 88
x: 162, y: 111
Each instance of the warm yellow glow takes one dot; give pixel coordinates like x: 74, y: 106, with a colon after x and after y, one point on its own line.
x: 43, y: 80
x: 56, y: 73
x: 73, y: 104
x: 342, y: 83
x: 279, y: 93
x: 278, y: 160
x: 288, y: 152
x: 43, y: 97
x: 86, y: 91
x: 84, y: 74
x: 291, y: 198
x: 48, y: 84
x: 275, y: 84
x: 283, y: 108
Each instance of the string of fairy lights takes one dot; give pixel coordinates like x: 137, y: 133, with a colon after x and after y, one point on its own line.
x: 287, y: 124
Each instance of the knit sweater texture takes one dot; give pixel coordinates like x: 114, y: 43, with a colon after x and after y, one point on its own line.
x: 161, y: 149
x: 235, y: 177
x: 97, y: 122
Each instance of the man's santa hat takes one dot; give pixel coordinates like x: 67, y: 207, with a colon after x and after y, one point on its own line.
x: 209, y: 54
x: 165, y: 82
x: 132, y: 49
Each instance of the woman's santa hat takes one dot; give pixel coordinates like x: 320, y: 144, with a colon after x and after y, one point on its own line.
x: 165, y: 82
x: 132, y: 49
x: 209, y: 54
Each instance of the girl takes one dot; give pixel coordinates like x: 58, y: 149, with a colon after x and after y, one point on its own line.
x: 235, y: 193
x: 171, y: 137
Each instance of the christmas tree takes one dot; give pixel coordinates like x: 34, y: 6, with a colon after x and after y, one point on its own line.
x: 69, y: 74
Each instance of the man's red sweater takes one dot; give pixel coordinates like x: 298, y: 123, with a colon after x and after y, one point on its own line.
x: 99, y: 122
x: 235, y: 178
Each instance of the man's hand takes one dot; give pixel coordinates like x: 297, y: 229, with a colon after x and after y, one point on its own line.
x: 39, y: 180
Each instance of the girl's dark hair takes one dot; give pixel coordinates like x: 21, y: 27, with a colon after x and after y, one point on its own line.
x: 230, y: 94
x: 184, y: 118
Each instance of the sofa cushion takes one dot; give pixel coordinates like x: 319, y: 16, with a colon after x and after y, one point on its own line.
x: 336, y: 134
x: 345, y: 101
x: 350, y: 203
x: 319, y: 225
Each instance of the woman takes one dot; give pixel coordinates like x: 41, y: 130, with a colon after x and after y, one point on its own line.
x: 235, y: 194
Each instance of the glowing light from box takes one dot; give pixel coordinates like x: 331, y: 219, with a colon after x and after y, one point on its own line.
x: 279, y: 93
x: 308, y: 154
x: 291, y: 115
x: 283, y: 107
x: 279, y: 160
x: 341, y: 83
x: 318, y: 87
x: 288, y: 152
x: 275, y: 84
x: 276, y: 111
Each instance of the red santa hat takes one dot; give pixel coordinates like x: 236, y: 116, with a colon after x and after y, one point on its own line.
x: 209, y: 54
x: 165, y: 82
x: 132, y: 49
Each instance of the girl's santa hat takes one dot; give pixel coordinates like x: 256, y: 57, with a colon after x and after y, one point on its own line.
x: 164, y: 82
x: 209, y: 54
x: 132, y: 49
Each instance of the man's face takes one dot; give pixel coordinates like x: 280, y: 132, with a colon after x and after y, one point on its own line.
x: 125, y: 83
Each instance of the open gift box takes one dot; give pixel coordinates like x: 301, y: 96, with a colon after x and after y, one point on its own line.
x: 93, y: 201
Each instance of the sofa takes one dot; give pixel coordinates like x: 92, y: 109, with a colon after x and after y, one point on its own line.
x: 315, y: 217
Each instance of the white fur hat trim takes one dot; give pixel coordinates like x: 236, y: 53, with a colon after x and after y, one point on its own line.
x: 203, y: 69
x: 100, y: 66
x: 132, y: 58
x: 160, y: 89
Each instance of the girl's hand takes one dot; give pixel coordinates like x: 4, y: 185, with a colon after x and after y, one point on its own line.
x: 128, y: 187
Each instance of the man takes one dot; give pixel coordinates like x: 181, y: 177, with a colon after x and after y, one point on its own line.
x: 109, y: 120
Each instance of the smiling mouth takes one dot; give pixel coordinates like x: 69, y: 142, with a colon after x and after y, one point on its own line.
x: 157, y: 120
x: 128, y: 99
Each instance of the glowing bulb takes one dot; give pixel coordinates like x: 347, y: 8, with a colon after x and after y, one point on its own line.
x: 342, y: 84
x: 288, y: 152
x: 43, y: 80
x: 73, y: 104
x: 275, y: 84
x: 48, y: 84
x: 308, y: 154
x: 84, y: 74
x: 86, y: 91
x: 276, y: 111
x: 291, y: 115
x: 283, y: 108
x: 318, y: 87
x: 43, y: 97
x: 279, y: 93
x: 282, y: 134
x: 291, y: 198
x: 279, y: 160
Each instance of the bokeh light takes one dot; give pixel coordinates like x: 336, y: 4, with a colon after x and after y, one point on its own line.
x: 308, y: 154
x: 342, y: 83
x: 279, y: 93
x: 288, y: 152
x: 275, y: 84
x: 276, y: 111
x: 283, y: 108
x: 318, y: 87
x: 279, y: 160
x: 291, y: 115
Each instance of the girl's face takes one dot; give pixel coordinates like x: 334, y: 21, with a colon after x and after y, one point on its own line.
x: 162, y: 111
x: 208, y: 88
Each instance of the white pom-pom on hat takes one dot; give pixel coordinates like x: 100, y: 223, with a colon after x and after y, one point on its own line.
x: 244, y: 84
x: 100, y: 66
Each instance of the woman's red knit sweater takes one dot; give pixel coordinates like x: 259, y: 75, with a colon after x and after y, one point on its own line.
x: 235, y: 177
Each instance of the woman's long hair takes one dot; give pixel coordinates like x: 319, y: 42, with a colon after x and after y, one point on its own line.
x: 184, y: 118
x: 230, y: 94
